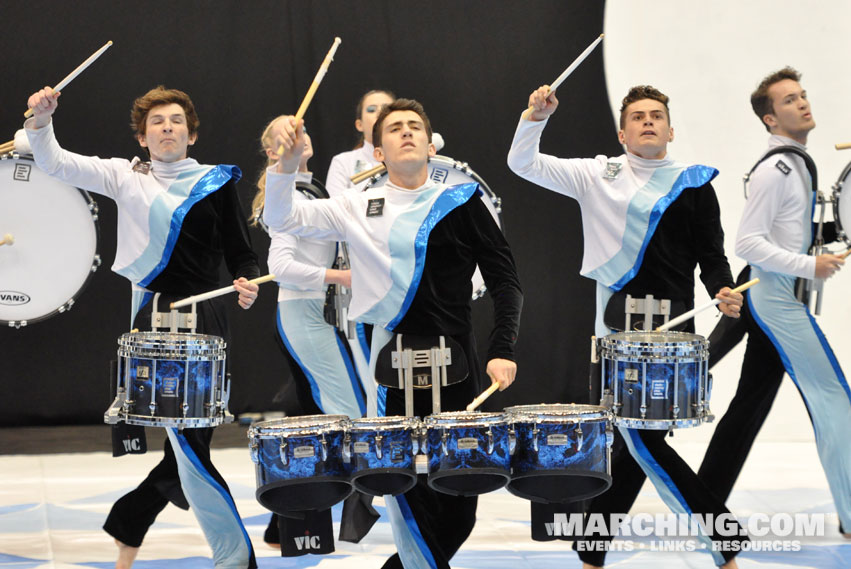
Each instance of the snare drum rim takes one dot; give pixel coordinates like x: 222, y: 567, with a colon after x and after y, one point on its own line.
x: 558, y: 413
x: 96, y: 261
x: 384, y: 423
x: 171, y: 345
x: 301, y: 425
x: 841, y: 230
x: 675, y: 339
x: 465, y: 419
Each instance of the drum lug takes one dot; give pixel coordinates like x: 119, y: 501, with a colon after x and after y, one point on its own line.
x: 185, y: 407
x: 610, y: 434
x: 535, y: 432
x: 443, y: 438
x: 254, y: 449
x: 153, y: 408
x: 579, y: 437
x: 676, y: 411
x: 324, y: 448
x: 512, y: 441
x: 379, y: 452
x: 348, y: 452
x: 283, y: 451
x: 643, y: 411
x: 490, y: 440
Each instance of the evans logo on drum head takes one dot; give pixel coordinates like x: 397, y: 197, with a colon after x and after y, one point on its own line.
x: 12, y: 298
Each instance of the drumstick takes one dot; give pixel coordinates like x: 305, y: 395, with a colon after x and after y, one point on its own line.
x: 71, y: 76
x: 217, y: 292
x: 481, y: 398
x: 714, y: 302
x: 320, y: 75
x: 842, y: 145
x: 8, y: 239
x: 361, y: 176
x: 7, y: 146
x: 845, y: 254
x: 570, y: 69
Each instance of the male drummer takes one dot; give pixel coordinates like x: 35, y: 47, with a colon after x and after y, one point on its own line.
x: 416, y: 243
x: 177, y: 221
x: 648, y: 221
x: 774, y: 237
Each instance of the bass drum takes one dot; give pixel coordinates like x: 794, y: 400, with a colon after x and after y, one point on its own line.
x: 452, y: 172
x: 54, y: 234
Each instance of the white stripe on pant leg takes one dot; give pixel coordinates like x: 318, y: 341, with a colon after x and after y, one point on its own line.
x: 665, y: 486
x: 366, y: 378
x: 811, y: 364
x: 213, y: 508
x: 413, y: 551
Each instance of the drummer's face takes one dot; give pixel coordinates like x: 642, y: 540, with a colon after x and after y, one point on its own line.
x: 646, y: 131
x: 372, y: 105
x: 166, y: 133
x: 792, y: 116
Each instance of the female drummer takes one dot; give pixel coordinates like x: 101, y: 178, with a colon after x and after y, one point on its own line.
x: 318, y: 348
x: 360, y: 158
x: 174, y: 249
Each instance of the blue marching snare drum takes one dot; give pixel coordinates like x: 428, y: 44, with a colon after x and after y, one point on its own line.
x: 299, y: 462
x: 170, y: 379
x: 562, y: 452
x: 656, y: 380
x: 381, y: 453
x: 469, y: 452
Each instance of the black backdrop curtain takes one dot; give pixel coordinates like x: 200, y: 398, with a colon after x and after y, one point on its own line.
x: 471, y: 63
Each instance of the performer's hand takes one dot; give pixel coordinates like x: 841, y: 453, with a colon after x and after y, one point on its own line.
x: 291, y: 136
x: 502, y: 371
x: 731, y: 302
x: 247, y: 292
x: 336, y: 276
x: 43, y: 104
x: 827, y: 265
x: 543, y: 105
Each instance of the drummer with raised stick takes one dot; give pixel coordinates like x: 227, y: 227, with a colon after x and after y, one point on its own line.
x: 420, y: 286
x: 174, y: 250
x: 673, y: 225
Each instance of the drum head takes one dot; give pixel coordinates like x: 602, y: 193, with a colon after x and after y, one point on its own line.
x: 54, y: 253
x: 452, y: 172
x: 842, y: 206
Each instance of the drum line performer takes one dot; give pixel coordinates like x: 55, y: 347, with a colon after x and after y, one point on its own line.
x: 319, y: 349
x: 775, y: 234
x: 415, y: 245
x: 647, y: 222
x: 177, y: 221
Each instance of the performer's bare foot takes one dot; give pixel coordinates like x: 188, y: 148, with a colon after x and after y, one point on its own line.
x: 731, y: 564
x: 126, y: 555
x: 846, y: 535
x: 589, y: 566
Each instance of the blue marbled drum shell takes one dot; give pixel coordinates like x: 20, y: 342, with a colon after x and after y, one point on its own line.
x: 397, y: 449
x: 660, y: 389
x: 593, y: 455
x: 460, y: 459
x: 269, y: 467
x: 169, y: 385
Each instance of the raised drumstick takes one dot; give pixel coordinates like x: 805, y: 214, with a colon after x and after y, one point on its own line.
x: 570, y: 69
x: 218, y: 292
x: 842, y: 145
x: 845, y: 254
x: 320, y: 75
x: 714, y: 302
x: 481, y: 398
x: 8, y: 239
x: 71, y: 76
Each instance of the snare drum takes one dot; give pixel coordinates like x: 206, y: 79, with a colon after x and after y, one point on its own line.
x: 54, y: 253
x: 561, y: 453
x: 452, y: 172
x: 656, y: 380
x: 299, y: 462
x: 468, y: 452
x: 170, y: 379
x: 381, y: 453
x: 842, y: 207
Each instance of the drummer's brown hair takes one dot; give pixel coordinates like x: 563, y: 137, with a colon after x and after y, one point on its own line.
x: 761, y: 102
x: 157, y: 96
x: 639, y: 93
x: 399, y: 105
x: 359, y: 110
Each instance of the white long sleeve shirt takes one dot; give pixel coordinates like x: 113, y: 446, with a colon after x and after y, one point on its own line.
x: 347, y: 164
x: 776, y: 226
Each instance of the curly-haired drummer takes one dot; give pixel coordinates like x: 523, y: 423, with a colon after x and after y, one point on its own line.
x: 177, y: 221
x: 415, y: 244
x: 647, y: 222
